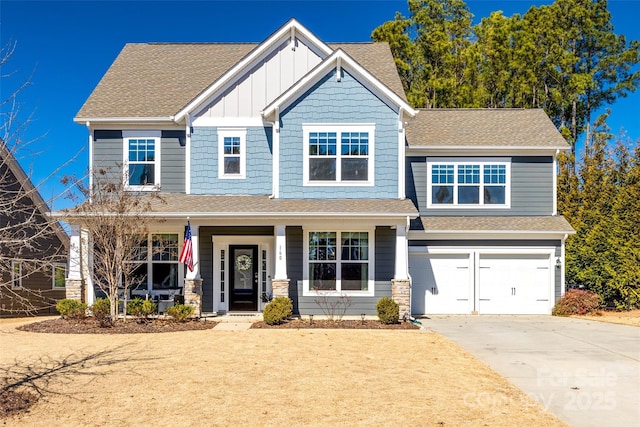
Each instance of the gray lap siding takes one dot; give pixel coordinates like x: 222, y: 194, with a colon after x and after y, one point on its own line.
x: 384, y: 272
x: 108, y: 153
x: 531, y: 188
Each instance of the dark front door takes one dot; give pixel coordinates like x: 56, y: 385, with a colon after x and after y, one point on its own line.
x: 243, y: 278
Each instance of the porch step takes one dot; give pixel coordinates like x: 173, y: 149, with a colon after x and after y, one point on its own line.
x: 238, y: 318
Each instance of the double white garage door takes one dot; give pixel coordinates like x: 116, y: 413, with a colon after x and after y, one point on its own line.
x: 492, y: 282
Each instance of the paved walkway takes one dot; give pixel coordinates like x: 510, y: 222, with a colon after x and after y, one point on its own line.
x: 236, y: 322
x: 586, y: 372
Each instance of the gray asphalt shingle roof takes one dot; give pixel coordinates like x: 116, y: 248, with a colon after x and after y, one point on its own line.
x: 218, y: 206
x: 160, y: 79
x: 482, y: 127
x: 479, y: 224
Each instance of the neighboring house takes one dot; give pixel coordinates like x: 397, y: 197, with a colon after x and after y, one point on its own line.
x: 303, y: 171
x: 33, y: 249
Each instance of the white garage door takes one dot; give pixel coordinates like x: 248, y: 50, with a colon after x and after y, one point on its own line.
x: 514, y: 284
x: 441, y: 283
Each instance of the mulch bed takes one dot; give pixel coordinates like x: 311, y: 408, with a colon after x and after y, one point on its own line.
x: 339, y: 324
x: 15, y: 402
x: 131, y: 326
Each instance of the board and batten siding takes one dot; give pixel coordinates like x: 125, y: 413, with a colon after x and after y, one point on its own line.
x: 531, y: 188
x: 264, y: 82
x: 335, y: 102
x: 204, y: 163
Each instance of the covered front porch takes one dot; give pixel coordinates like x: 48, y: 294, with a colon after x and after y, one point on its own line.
x: 248, y: 249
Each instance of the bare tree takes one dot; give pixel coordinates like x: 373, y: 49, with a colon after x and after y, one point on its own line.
x: 116, y: 222
x: 31, y: 244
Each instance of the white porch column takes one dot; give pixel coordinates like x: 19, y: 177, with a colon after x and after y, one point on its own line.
x: 75, y: 253
x: 280, y: 282
x: 193, y: 281
x: 75, y: 284
x: 401, y: 285
x: 87, y: 265
x: 402, y: 249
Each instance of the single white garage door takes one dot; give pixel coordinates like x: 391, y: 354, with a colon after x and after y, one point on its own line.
x: 514, y: 284
x: 441, y: 283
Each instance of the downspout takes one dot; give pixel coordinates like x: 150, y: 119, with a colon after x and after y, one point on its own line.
x: 562, y: 265
x: 276, y: 155
x: 187, y: 154
x: 555, y: 183
x: 88, y: 124
x: 401, y: 157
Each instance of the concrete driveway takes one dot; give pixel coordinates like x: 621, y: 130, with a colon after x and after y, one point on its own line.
x: 586, y: 372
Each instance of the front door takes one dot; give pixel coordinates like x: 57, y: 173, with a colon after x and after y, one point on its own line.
x: 243, y: 278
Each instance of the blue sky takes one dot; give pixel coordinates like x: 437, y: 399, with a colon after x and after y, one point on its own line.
x: 66, y: 47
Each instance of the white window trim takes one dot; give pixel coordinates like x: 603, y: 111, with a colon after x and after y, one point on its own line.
x: 338, y: 128
x: 338, y: 292
x: 148, y: 288
x: 232, y: 132
x: 132, y: 134
x: 15, y: 279
x: 53, y: 275
x: 468, y: 161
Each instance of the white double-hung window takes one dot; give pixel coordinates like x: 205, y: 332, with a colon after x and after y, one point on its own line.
x: 141, y: 159
x: 338, y: 154
x: 232, y: 153
x: 339, y: 262
x: 468, y: 182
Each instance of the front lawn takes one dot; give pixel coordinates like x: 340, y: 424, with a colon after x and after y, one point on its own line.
x: 257, y: 377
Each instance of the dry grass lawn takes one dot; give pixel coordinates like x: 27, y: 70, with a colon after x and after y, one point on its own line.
x: 631, y: 318
x: 258, y: 377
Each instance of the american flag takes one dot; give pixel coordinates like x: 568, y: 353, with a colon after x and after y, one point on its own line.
x: 186, y: 256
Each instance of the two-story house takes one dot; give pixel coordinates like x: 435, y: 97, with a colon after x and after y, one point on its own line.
x: 304, y: 172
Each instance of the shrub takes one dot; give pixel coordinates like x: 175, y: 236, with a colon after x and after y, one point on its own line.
x: 101, y: 310
x: 149, y: 307
x: 71, y: 309
x: 141, y: 308
x: 278, y: 310
x: 180, y: 312
x: 388, y: 311
x: 134, y: 307
x: 576, y: 301
x: 334, y: 307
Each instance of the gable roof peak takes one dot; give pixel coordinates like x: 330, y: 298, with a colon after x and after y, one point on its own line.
x: 291, y: 30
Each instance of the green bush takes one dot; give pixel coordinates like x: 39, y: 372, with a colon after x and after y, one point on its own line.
x: 71, y: 309
x: 388, y: 311
x: 101, y: 310
x: 180, y: 312
x: 149, y: 307
x: 576, y: 301
x: 278, y: 310
x: 134, y: 307
x: 141, y: 308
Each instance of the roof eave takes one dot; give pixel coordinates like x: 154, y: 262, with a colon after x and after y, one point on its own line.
x: 483, y: 234
x: 492, y: 148
x: 67, y: 215
x: 85, y: 120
